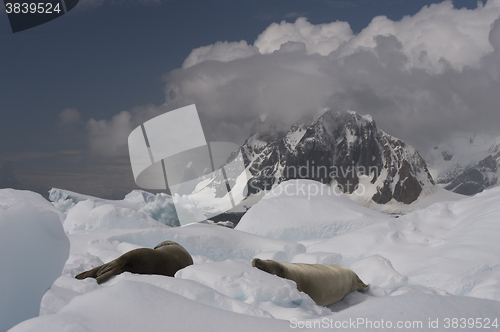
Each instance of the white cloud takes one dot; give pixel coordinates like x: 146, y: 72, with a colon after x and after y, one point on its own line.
x: 494, y: 36
x: 438, y: 32
x: 109, y: 138
x: 220, y: 51
x: 68, y: 117
x: 321, y: 38
x: 422, y: 78
x: 283, y: 85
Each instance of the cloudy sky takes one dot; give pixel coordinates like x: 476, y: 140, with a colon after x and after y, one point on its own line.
x: 73, y: 89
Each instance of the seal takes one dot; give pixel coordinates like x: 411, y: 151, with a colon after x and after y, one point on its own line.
x: 325, y: 284
x: 165, y: 259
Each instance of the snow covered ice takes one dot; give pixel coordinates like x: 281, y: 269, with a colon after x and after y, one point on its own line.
x: 435, y: 263
x: 33, y: 250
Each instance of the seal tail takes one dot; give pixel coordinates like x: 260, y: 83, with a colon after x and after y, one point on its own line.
x: 361, y: 284
x: 111, y: 269
x: 104, y: 272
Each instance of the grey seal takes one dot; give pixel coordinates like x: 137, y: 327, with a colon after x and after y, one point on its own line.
x: 165, y: 259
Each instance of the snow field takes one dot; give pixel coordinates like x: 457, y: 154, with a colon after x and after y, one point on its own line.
x: 436, y: 263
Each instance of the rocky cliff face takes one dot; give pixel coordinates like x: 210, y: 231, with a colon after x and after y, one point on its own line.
x: 345, y: 150
x: 473, y: 178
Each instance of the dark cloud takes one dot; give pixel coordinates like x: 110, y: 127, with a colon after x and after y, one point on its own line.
x: 423, y: 79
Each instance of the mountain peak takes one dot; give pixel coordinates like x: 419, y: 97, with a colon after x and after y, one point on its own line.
x: 342, y: 149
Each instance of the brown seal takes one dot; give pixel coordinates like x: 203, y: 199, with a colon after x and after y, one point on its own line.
x: 165, y: 259
x: 325, y: 284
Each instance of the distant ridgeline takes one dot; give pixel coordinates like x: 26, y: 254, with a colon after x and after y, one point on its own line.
x: 468, y: 173
x: 344, y: 149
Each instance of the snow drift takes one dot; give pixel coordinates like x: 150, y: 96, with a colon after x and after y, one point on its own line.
x: 434, y: 264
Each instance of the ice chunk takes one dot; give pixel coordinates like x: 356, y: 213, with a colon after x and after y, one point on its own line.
x: 140, y: 196
x: 304, y: 209
x: 131, y: 306
x: 162, y: 209
x: 33, y: 250
x: 214, y: 242
x: 378, y: 270
x: 86, y: 215
x: 64, y: 200
x: 239, y: 280
x: 195, y: 291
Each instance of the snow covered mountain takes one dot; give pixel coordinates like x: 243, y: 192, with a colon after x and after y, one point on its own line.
x: 468, y: 165
x: 344, y: 149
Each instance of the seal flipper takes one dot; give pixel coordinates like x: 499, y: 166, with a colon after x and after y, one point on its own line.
x: 103, y: 272
x: 107, y: 271
x: 88, y: 274
x: 361, y: 284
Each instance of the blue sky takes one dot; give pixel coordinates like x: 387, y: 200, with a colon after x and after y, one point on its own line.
x: 105, y: 57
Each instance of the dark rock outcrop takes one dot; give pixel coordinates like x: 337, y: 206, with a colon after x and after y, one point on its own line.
x: 342, y: 149
x: 473, y: 178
